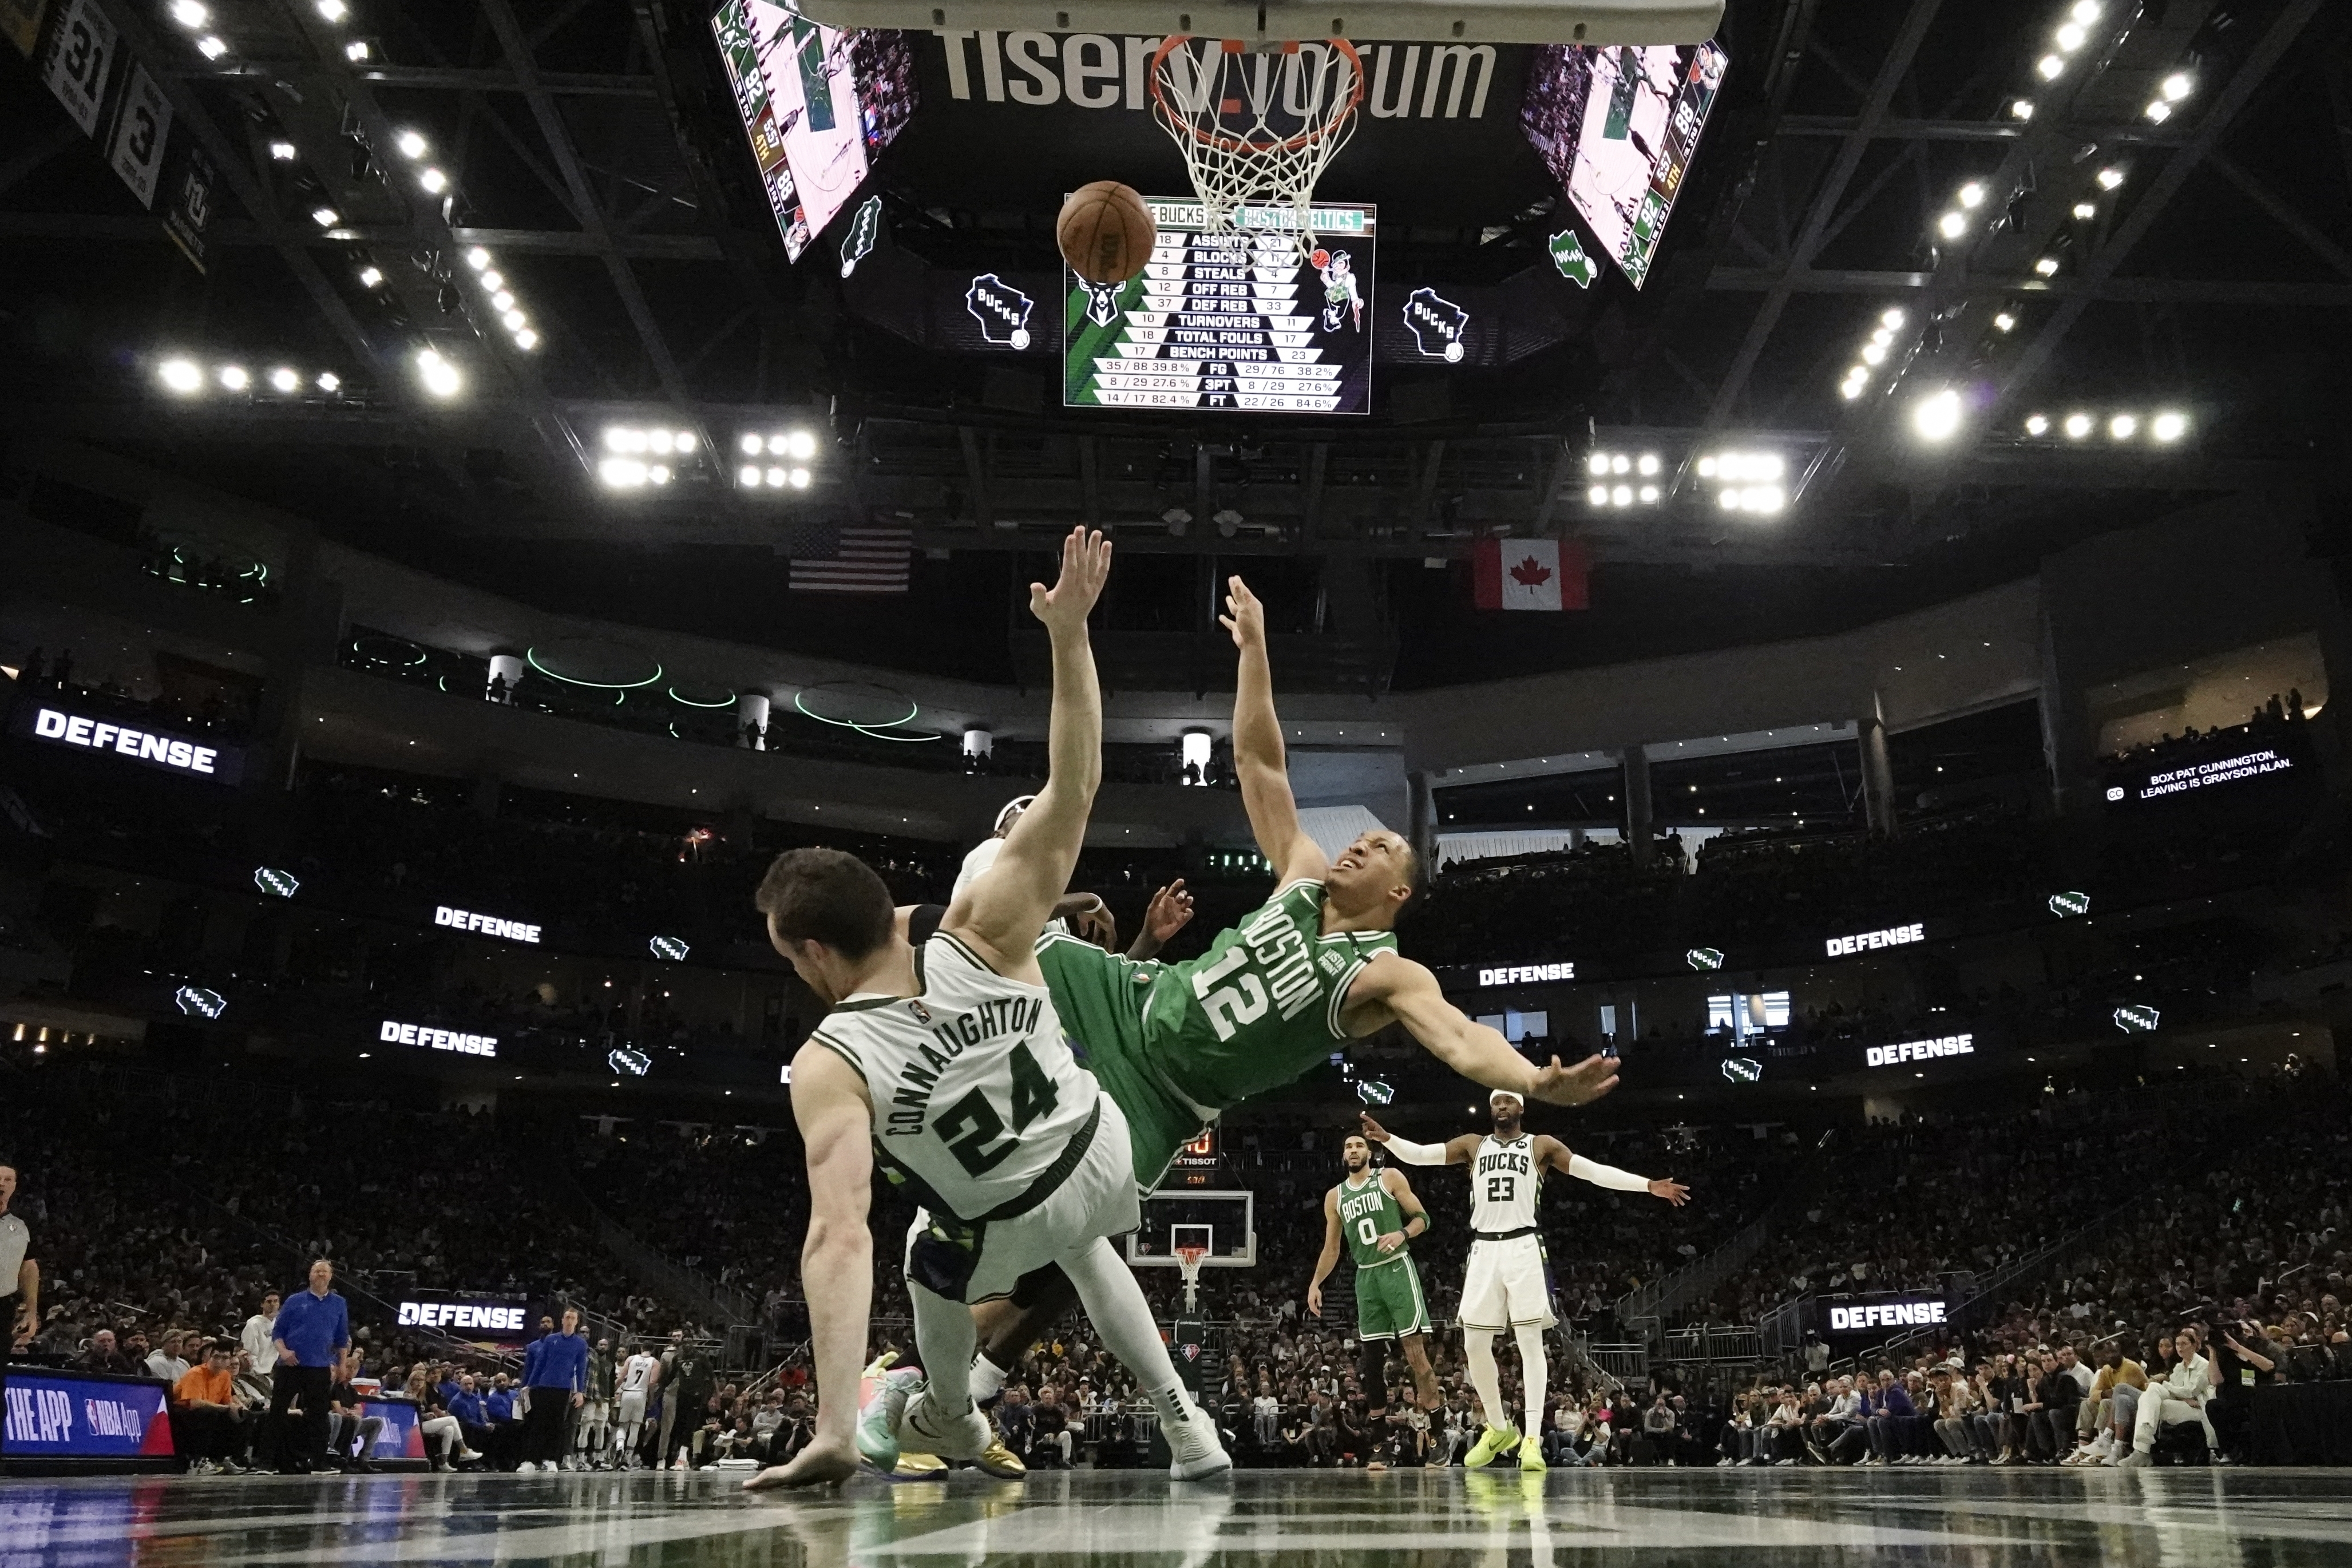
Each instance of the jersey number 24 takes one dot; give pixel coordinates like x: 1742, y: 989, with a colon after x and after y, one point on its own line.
x: 969, y: 1125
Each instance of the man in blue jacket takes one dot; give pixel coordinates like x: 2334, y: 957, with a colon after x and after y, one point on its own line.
x: 312, y: 1329
x: 555, y: 1380
x: 473, y: 1414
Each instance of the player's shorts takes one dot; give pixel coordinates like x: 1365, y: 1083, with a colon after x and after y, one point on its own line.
x: 1389, y: 1302
x: 978, y: 1263
x: 630, y: 1409
x: 1101, y: 998
x: 1508, y: 1285
x: 596, y: 1412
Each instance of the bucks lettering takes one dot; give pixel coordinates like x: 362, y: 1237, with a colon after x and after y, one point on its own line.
x: 910, y: 1103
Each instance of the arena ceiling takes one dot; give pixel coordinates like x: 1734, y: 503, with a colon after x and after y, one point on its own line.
x: 2112, y: 262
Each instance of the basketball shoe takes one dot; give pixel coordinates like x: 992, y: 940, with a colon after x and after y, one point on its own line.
x: 1493, y: 1441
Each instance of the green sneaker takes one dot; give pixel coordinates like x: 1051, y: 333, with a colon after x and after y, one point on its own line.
x: 1493, y: 1440
x: 877, y: 1419
x: 1531, y: 1459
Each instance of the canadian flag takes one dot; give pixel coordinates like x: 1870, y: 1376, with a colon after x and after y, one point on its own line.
x: 1530, y: 573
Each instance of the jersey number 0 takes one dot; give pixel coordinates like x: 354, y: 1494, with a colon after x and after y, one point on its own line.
x: 969, y: 1125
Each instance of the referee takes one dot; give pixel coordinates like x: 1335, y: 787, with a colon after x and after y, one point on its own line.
x: 20, y: 1305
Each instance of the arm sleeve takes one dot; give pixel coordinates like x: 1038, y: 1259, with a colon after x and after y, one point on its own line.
x: 1414, y: 1153
x: 1602, y: 1176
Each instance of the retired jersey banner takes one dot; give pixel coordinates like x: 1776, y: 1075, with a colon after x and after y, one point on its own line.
x: 20, y: 24
x: 1530, y: 573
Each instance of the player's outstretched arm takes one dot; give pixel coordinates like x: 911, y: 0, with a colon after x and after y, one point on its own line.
x: 1416, y: 1218
x: 836, y: 1124
x: 1001, y: 913
x: 1330, y: 1256
x: 1394, y: 988
x: 1553, y: 1155
x: 1259, y: 759
x: 1454, y: 1151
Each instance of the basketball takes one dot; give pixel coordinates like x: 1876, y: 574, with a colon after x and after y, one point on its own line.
x: 1105, y: 232
x: 1319, y: 258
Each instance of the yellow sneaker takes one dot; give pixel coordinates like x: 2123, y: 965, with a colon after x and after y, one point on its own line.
x: 1001, y: 1462
x: 1493, y: 1440
x: 1531, y: 1459
x: 919, y: 1467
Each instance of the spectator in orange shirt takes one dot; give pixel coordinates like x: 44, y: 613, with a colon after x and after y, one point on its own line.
x: 208, y: 1422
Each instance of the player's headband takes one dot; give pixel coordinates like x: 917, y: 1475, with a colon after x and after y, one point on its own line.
x: 1501, y: 1095
x: 1013, y: 808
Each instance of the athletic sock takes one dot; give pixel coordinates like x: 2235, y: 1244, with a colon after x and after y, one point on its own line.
x: 1115, y: 1305
x: 1485, y: 1375
x: 987, y: 1379
x: 946, y: 1337
x: 1531, y: 1373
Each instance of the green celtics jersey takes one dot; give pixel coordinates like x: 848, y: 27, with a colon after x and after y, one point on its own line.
x: 1367, y: 1214
x: 1262, y: 1005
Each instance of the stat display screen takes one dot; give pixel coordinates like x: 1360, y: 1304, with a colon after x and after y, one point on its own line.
x: 1230, y: 321
x: 1618, y: 126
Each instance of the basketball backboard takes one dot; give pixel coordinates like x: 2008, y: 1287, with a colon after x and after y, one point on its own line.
x: 1403, y: 21
x: 1223, y: 1222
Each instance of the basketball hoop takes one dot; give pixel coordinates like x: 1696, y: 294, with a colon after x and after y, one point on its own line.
x: 1257, y: 124
x: 1189, y: 1259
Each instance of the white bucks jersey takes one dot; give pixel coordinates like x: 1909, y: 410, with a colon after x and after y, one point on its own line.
x: 1503, y: 1185
x: 979, y: 1110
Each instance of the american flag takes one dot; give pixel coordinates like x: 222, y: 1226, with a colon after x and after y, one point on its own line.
x: 865, y: 560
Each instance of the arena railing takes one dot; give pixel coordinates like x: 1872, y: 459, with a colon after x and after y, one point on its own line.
x: 1652, y: 1303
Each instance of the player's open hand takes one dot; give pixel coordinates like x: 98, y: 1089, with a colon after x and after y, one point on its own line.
x: 1582, y: 1084
x: 1315, y: 1300
x: 1373, y: 1131
x: 1390, y: 1241
x: 1674, y: 1192
x: 1169, y: 911
x: 822, y: 1463
x: 1086, y: 567
x: 1244, y: 617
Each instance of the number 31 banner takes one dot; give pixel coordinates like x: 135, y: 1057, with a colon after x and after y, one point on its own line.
x: 80, y: 58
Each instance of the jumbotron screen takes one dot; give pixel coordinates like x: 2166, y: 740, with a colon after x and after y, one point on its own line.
x: 1617, y: 127
x: 814, y: 101
x: 1237, y: 320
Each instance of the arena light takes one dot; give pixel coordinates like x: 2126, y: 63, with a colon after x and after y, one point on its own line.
x: 2037, y: 424
x: 2021, y: 109
x: 2078, y: 425
x: 357, y: 50
x: 283, y: 152
x: 440, y: 377
x: 2169, y: 426
x: 2086, y: 11
x: 412, y: 144
x: 1972, y: 194
x: 2158, y: 112
x: 190, y: 15
x: 1893, y: 320
x: 2047, y: 267
x: 2070, y: 35
x: 2004, y: 322
x: 1648, y: 465
x: 370, y: 277
x: 2123, y: 426
x: 2109, y: 179
x: 180, y: 375
x: 325, y: 217
x: 333, y: 10
x: 1951, y: 226
x: 494, y: 279
x: 477, y: 258
x: 2051, y: 67
x: 622, y: 473
x: 526, y: 340
x: 212, y: 47
x: 328, y: 383
x: 2086, y: 211
x: 2178, y: 86
x: 284, y: 379
x: 234, y: 377
x: 800, y: 479
x: 434, y: 181
x: 501, y: 299
x: 1937, y: 416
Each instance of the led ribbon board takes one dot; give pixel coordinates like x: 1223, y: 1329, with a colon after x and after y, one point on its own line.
x: 488, y: 925
x: 469, y: 1317
x: 1230, y: 321
x: 1920, y: 1050
x: 392, y: 1032
x: 1876, y: 1316
x: 140, y: 743
x: 53, y: 1415
x: 1525, y: 973
x: 1871, y: 940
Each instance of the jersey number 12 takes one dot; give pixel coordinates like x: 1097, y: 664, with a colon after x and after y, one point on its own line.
x: 969, y: 1125
x: 1229, y: 1006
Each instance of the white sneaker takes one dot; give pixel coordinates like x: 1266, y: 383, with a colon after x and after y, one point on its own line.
x: 925, y: 1428
x: 1194, y: 1451
x: 2135, y: 1460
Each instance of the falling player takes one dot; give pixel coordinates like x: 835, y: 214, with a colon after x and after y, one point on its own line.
x: 1508, y: 1282
x: 1375, y: 1213
x: 946, y: 1066
x: 1311, y: 969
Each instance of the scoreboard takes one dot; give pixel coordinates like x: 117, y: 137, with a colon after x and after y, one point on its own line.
x: 1235, y: 320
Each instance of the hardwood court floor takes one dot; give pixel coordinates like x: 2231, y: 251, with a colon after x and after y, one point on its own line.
x: 1703, y: 1518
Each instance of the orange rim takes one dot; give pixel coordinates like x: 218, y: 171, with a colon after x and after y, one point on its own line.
x: 1226, y: 143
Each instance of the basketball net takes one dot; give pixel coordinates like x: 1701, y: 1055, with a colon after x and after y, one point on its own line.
x: 1189, y: 1260
x: 1256, y: 125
